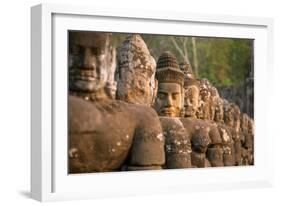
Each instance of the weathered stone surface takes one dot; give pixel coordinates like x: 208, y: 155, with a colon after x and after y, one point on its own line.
x: 105, y: 147
x: 214, y: 133
x: 209, y: 101
x: 177, y: 143
x: 112, y: 135
x: 148, y: 144
x: 215, y: 156
x: 92, y: 65
x: 199, y: 160
x: 187, y: 70
x: 237, y: 152
x: 205, y: 100
x: 199, y: 132
x: 106, y: 134
x: 219, y: 113
x: 200, y: 140
x: 135, y: 72
x: 227, y: 145
x: 191, y: 98
x: 214, y: 101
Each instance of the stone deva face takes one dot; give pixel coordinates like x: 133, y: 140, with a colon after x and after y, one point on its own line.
x: 170, y: 96
x: 169, y: 100
x: 91, y: 61
x: 191, y: 101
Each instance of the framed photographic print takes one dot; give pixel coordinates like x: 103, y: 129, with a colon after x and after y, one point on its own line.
x: 135, y: 102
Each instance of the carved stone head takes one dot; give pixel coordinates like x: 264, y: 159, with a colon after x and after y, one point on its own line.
x: 214, y: 100
x: 136, y: 72
x: 91, y: 63
x: 200, y: 139
x: 169, y: 100
x: 205, y: 93
x: 187, y: 70
x: 228, y: 113
x: 191, y: 97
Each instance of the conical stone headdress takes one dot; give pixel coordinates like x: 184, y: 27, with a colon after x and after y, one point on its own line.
x: 167, y: 70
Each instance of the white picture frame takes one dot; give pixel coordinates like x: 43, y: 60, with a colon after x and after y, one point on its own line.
x: 49, y: 178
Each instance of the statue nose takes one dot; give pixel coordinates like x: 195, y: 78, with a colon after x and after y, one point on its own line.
x: 88, y: 61
x: 169, y: 101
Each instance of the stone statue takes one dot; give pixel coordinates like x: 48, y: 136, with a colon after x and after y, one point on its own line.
x: 177, y: 143
x: 219, y: 117
x: 187, y: 70
x: 232, y: 121
x: 248, y: 143
x: 89, y: 53
x: 205, y: 100
x: 214, y: 101
x: 169, y: 104
x: 106, y: 134
x: 191, y: 98
x: 136, y: 72
x: 207, y: 131
x: 145, y: 115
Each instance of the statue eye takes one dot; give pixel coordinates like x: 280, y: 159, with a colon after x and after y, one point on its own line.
x: 75, y: 50
x: 161, y: 96
x: 96, y: 51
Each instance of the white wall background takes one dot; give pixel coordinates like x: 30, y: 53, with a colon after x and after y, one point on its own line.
x: 15, y: 101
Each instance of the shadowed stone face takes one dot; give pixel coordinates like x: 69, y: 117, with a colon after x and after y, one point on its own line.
x: 170, y: 96
x: 91, y: 62
x: 169, y: 100
x: 136, y: 72
x: 191, y: 101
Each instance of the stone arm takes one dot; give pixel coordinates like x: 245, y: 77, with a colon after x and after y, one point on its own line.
x: 227, y: 145
x: 200, y: 140
x: 214, y: 151
x: 177, y: 143
x: 147, y: 150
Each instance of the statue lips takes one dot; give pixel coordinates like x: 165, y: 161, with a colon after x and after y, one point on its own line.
x: 168, y: 111
x: 86, y: 80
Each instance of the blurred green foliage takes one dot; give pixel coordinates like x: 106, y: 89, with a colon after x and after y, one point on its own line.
x: 224, y: 61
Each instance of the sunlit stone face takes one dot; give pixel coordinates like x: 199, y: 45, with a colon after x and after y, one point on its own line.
x: 229, y: 115
x: 169, y: 99
x: 191, y: 101
x: 219, y: 113
x: 88, y: 61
